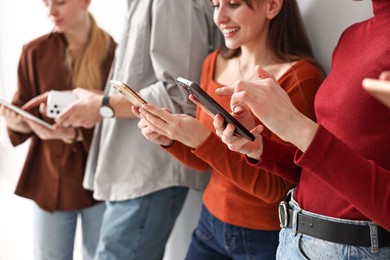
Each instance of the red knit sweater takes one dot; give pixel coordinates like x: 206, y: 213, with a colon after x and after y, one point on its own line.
x: 345, y: 172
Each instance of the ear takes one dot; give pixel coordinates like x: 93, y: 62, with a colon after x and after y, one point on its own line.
x: 273, y: 8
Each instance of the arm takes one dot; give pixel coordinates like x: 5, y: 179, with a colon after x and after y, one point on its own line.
x: 367, y: 175
x: 25, y: 91
x: 157, y: 128
x: 316, y: 144
x: 177, y: 133
x: 268, y: 151
x: 232, y: 165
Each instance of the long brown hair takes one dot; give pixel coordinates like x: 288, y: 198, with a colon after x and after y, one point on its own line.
x: 87, y: 70
x: 287, y: 36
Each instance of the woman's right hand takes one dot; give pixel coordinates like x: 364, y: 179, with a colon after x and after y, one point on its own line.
x: 239, y: 144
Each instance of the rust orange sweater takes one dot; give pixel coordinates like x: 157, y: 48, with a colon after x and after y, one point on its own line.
x: 238, y: 193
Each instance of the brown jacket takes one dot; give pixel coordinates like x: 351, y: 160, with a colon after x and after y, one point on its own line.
x: 53, y: 172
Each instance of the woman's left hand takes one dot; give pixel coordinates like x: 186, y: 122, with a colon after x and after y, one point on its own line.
x: 180, y: 127
x: 59, y: 133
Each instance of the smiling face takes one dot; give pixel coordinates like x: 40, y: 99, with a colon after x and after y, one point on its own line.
x: 239, y: 23
x: 66, y: 15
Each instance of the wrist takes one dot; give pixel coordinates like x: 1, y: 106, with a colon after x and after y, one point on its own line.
x: 302, y: 133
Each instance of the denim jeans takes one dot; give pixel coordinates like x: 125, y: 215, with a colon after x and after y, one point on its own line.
x: 300, y: 246
x: 216, y: 240
x: 139, y: 228
x: 54, y: 232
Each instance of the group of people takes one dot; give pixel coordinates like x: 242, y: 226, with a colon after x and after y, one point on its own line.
x: 318, y: 167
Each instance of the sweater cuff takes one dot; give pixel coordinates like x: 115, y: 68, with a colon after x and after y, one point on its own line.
x: 211, y: 141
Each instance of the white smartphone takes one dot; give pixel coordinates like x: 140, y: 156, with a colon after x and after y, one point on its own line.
x: 57, y: 101
x: 25, y: 113
x: 130, y: 94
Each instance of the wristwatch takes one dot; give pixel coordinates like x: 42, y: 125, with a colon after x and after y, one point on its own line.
x: 105, y: 110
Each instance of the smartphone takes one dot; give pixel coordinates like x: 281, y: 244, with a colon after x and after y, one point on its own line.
x: 58, y: 101
x: 213, y: 106
x: 25, y: 114
x: 130, y: 94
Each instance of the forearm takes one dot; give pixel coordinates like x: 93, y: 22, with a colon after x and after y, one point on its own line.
x: 19, y: 127
x: 232, y: 165
x: 300, y: 131
x: 121, y: 106
x: 347, y: 166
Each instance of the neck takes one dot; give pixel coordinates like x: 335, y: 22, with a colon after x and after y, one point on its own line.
x: 248, y: 60
x: 381, y: 7
x: 78, y: 37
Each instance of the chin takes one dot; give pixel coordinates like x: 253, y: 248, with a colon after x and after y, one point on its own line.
x: 231, y: 46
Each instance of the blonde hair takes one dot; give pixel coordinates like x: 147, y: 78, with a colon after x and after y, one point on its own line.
x: 87, y: 70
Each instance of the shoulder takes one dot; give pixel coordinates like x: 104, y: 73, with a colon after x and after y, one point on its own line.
x: 300, y: 72
x: 306, y: 67
x: 47, y: 44
x: 43, y: 41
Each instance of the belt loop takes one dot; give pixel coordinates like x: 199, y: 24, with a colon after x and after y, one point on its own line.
x: 374, y: 238
x: 294, y: 227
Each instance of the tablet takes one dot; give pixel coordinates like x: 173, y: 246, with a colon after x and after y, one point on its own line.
x: 379, y: 89
x: 210, y: 104
x: 25, y: 114
x: 130, y: 94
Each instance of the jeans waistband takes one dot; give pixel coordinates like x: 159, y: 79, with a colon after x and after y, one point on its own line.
x: 365, y: 234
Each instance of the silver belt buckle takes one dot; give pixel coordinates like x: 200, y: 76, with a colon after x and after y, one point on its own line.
x: 283, y: 214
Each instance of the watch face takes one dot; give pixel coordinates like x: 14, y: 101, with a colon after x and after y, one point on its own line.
x: 106, y: 111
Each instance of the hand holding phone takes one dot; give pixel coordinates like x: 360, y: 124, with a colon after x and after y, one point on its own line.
x: 57, y: 101
x: 130, y: 94
x: 211, y: 105
x: 25, y: 114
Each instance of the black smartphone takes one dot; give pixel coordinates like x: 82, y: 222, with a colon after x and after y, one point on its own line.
x: 213, y: 106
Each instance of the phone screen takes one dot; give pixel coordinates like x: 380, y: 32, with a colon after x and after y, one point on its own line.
x: 209, y: 103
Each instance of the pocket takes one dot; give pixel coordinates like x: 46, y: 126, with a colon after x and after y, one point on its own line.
x: 205, y: 228
x: 314, y: 248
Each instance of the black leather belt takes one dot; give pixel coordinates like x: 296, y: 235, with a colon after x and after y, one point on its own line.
x: 343, y: 233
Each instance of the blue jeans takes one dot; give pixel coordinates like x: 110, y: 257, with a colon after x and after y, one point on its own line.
x: 139, y: 228
x: 300, y: 246
x: 216, y: 240
x: 54, y: 232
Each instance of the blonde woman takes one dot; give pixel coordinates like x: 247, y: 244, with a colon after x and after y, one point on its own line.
x: 76, y: 54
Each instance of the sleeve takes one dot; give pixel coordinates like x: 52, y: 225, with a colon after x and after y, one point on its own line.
x: 184, y: 154
x: 279, y: 159
x: 25, y: 91
x: 176, y: 52
x: 232, y: 165
x: 337, y: 174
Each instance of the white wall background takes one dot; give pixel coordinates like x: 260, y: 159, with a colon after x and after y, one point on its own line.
x: 23, y: 20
